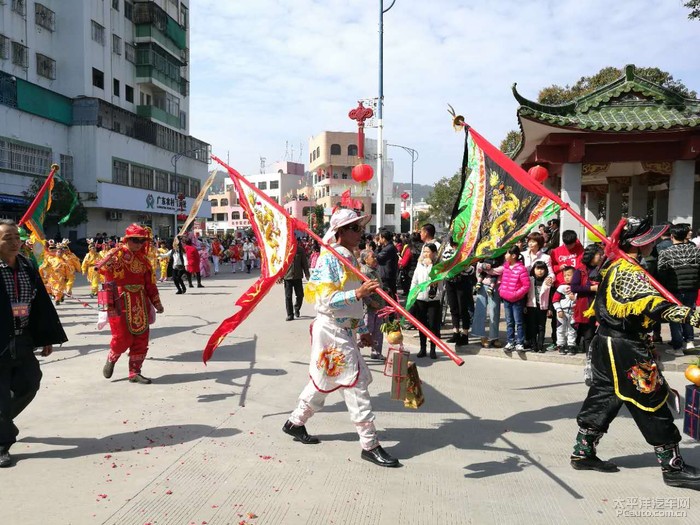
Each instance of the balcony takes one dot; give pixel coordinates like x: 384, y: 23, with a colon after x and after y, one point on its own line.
x: 150, y: 33
x: 150, y: 14
x: 158, y: 114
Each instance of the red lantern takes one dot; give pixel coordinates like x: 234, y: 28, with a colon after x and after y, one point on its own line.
x: 405, y: 195
x: 405, y: 215
x: 362, y: 173
x: 539, y: 173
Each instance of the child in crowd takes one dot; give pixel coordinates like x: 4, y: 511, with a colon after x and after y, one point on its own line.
x: 537, y: 306
x: 428, y: 302
x: 373, y: 303
x: 563, y: 302
x: 515, y: 284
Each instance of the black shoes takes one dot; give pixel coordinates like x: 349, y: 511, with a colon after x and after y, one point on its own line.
x: 200, y: 286
x: 454, y: 338
x: 422, y: 353
x: 433, y: 355
x: 299, y: 433
x: 297, y: 313
x: 290, y: 318
x: 108, y: 369
x: 5, y: 459
x: 380, y: 457
x: 138, y: 378
x: 687, y: 478
x: 594, y: 463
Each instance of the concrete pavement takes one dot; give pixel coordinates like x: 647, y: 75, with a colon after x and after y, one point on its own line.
x: 204, y: 444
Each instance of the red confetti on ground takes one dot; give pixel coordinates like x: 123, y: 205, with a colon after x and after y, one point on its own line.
x: 251, y: 516
x: 214, y: 506
x: 103, y: 496
x: 125, y: 421
x: 108, y: 456
x: 265, y: 457
x: 168, y: 492
x: 114, y: 465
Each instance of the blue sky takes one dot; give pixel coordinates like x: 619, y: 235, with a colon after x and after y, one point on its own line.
x: 267, y: 72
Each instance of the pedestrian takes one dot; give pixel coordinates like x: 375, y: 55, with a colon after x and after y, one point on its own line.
x: 388, y: 261
x: 248, y: 254
x: 88, y: 267
x: 458, y: 291
x: 315, y: 252
x: 293, y: 282
x: 624, y: 369
x: 193, y: 263
x: 128, y: 274
x: 373, y: 303
x: 487, y: 302
x: 678, y: 268
x: 584, y: 284
x: 217, y: 250
x: 552, y: 235
x: 428, y: 305
x: 163, y: 260
x: 515, y: 283
x: 28, y: 321
x: 537, y: 306
x: 336, y: 363
x: 568, y: 254
x: 179, y: 259
x: 564, y: 302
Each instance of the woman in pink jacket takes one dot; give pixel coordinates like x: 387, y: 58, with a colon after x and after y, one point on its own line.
x: 515, y: 283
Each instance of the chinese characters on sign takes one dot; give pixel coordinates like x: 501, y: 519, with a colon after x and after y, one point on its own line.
x: 651, y: 507
x: 166, y: 203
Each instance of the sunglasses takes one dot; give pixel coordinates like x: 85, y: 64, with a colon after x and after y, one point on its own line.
x: 137, y: 241
x: 355, y: 228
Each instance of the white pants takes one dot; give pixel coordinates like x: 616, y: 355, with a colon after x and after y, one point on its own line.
x: 215, y: 258
x: 566, y: 333
x: 357, y: 402
x: 237, y: 263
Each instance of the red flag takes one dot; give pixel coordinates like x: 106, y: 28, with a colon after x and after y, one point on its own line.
x: 345, y: 199
x: 274, y: 231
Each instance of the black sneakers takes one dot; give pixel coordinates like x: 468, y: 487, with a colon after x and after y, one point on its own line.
x: 5, y: 459
x: 687, y: 478
x: 108, y: 369
x: 299, y: 433
x: 138, y: 378
x: 380, y: 457
x: 593, y: 463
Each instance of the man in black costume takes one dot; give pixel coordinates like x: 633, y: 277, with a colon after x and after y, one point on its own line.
x: 623, y: 367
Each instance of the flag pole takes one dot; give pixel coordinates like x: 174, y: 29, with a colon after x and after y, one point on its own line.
x: 300, y: 225
x: 539, y: 188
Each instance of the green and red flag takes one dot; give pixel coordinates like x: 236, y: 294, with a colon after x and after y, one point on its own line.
x: 497, y: 205
x: 33, y: 219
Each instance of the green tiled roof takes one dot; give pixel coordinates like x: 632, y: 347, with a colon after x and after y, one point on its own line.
x: 630, y: 103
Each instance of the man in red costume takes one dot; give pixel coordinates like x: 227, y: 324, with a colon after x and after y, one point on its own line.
x: 128, y: 269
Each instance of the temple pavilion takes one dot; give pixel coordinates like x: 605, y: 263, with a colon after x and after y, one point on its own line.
x: 630, y: 145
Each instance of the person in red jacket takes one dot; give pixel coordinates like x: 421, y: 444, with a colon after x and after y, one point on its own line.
x: 569, y: 253
x: 128, y: 274
x: 193, y: 260
x: 515, y: 283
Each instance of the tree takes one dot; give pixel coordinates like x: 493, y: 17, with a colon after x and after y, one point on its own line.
x: 61, y: 201
x: 511, y: 142
x: 694, y: 6
x: 442, y: 199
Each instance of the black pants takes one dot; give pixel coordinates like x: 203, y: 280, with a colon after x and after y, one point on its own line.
x: 298, y: 288
x: 429, y: 313
x: 20, y: 377
x: 458, y: 295
x: 554, y: 315
x: 197, y: 275
x: 535, y: 324
x: 602, y: 405
x: 178, y: 273
x: 585, y: 333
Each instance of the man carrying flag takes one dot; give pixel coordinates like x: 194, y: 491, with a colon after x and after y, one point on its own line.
x: 336, y: 362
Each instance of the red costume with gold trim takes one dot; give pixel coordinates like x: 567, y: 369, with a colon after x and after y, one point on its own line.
x: 132, y: 275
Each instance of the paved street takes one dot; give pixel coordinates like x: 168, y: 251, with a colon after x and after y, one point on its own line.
x: 203, y: 444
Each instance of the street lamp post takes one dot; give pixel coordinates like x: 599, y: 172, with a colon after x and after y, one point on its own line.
x: 414, y: 157
x: 380, y: 122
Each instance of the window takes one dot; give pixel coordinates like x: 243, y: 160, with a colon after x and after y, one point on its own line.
x: 224, y: 202
x: 141, y: 177
x: 115, y: 87
x: 67, y: 167
x: 344, y: 176
x: 274, y: 184
x: 24, y: 157
x: 305, y: 211
x: 262, y: 185
x: 352, y: 150
x: 374, y: 208
x: 389, y: 209
x: 98, y: 33
x: 184, y: 15
x: 19, y: 7
x: 120, y: 172
x: 116, y: 44
x: 115, y: 5
x: 214, y: 202
x: 98, y: 78
x: 335, y: 149
x: 222, y: 217
x: 4, y: 47
x: 183, y: 119
x: 236, y: 215
x: 45, y: 66
x: 245, y: 216
x: 318, y: 151
x: 130, y: 53
x: 195, y: 186
x: 162, y: 181
x: 128, y: 10
x: 44, y: 17
x: 19, y: 54
x: 129, y: 93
